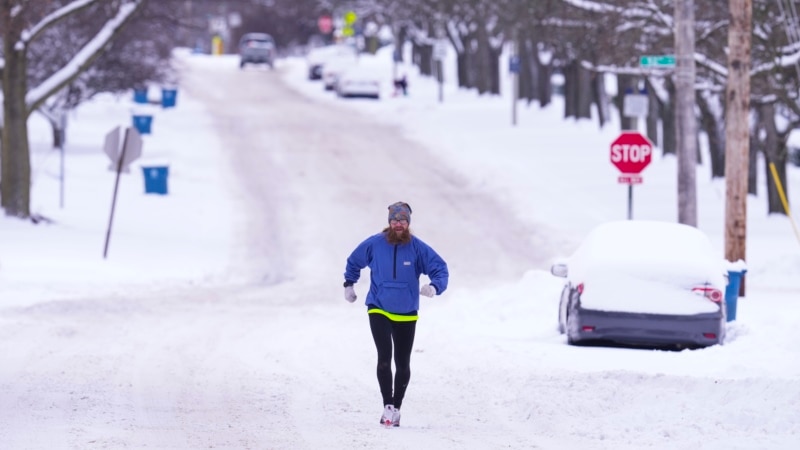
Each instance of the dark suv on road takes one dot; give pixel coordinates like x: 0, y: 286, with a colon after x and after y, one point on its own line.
x: 256, y: 48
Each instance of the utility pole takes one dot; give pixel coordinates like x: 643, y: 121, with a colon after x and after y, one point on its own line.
x: 737, y: 130
x: 686, y: 138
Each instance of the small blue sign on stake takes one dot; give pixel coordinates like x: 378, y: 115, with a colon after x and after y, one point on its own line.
x: 140, y: 95
x: 143, y: 123
x: 513, y: 64
x: 155, y: 179
x: 168, y: 97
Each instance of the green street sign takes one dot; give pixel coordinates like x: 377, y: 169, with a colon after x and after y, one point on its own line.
x: 657, y: 61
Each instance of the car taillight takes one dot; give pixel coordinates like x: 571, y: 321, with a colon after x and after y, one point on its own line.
x: 579, y: 288
x: 715, y: 295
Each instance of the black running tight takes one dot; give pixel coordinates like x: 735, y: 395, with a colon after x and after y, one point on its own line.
x: 384, y: 331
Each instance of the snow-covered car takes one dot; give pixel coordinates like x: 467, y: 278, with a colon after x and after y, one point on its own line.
x: 643, y: 283
x: 317, y: 57
x: 334, y: 67
x: 256, y: 48
x: 362, y: 79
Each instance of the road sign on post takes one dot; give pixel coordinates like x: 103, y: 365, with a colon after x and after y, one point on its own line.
x: 513, y: 64
x: 635, y: 105
x: 663, y: 61
x: 120, y: 159
x: 439, y: 50
x: 325, y: 24
x: 631, y: 152
x: 350, y: 19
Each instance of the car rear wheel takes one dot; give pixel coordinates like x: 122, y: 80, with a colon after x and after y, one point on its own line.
x: 572, y: 327
x: 562, y: 311
x: 571, y: 340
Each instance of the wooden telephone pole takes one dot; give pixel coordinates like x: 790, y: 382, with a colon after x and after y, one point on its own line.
x: 686, y: 138
x: 737, y: 130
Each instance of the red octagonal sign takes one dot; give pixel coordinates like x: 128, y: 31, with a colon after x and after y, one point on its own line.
x: 631, y: 152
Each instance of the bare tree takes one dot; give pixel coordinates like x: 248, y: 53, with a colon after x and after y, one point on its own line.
x: 139, y: 55
x: 23, y: 22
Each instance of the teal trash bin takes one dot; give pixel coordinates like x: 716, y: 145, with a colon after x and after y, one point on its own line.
x: 140, y: 95
x: 155, y: 179
x: 732, y: 292
x: 168, y: 97
x: 143, y: 123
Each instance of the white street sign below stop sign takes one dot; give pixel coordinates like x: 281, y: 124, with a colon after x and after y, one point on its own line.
x: 631, y: 152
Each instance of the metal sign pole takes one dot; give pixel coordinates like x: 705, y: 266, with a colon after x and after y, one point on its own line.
x: 440, y: 75
x: 635, y: 105
x: 439, y: 53
x: 514, y: 96
x: 61, y: 176
x: 513, y: 68
x: 630, y: 201
x: 120, y: 162
x: 62, y: 137
x: 635, y: 127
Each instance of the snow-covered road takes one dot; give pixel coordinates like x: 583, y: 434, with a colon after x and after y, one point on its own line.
x: 296, y: 167
x: 303, y: 164
x: 276, y: 359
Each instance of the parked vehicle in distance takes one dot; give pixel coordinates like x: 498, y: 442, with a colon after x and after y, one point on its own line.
x: 317, y: 58
x: 643, y: 283
x: 362, y: 79
x: 256, y: 48
x: 334, y: 66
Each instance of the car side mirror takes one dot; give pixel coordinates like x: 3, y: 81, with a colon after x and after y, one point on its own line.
x: 559, y: 270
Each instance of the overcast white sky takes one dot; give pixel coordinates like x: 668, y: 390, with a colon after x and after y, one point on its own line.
x: 554, y: 174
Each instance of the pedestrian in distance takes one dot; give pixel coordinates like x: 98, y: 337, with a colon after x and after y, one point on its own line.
x: 401, y: 85
x: 396, y: 259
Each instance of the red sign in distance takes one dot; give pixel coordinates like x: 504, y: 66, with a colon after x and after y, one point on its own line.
x: 325, y: 24
x: 631, y: 152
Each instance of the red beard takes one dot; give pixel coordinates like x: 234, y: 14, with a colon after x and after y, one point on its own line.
x: 394, y: 237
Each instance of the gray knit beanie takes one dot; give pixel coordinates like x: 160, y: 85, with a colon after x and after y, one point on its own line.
x: 400, y: 211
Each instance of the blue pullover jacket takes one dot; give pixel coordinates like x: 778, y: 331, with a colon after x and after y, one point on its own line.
x: 395, y: 271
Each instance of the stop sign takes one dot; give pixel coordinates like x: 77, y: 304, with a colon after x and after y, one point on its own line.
x: 325, y: 24
x: 631, y: 152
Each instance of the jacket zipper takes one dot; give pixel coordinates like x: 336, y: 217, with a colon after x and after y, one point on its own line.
x: 394, y: 265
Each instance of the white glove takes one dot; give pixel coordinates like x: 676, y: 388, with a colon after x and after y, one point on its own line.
x: 428, y: 290
x: 350, y: 294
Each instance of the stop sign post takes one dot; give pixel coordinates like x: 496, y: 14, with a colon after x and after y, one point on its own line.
x: 631, y: 152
